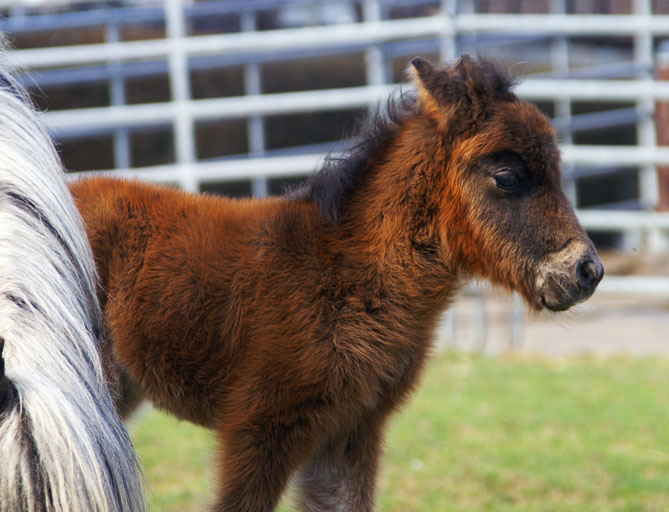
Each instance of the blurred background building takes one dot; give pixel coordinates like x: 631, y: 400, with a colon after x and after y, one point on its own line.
x: 244, y: 97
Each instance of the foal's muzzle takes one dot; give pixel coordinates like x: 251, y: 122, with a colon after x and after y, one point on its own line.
x: 568, y: 277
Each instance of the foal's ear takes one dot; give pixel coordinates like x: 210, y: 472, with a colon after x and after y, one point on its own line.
x: 441, y: 89
x: 444, y: 85
x: 465, y: 85
x: 425, y: 71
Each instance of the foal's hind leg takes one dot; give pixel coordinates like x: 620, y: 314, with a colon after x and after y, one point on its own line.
x: 341, y: 477
x: 131, y: 395
x: 127, y: 394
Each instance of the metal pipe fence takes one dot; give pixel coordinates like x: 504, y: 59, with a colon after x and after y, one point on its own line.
x: 629, y: 85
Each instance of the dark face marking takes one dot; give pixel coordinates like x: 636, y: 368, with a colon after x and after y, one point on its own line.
x: 507, y: 172
x: 520, y: 218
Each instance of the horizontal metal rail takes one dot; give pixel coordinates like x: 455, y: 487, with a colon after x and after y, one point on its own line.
x: 616, y: 220
x: 148, y: 14
x: 623, y: 156
x: 410, y: 47
x: 646, y: 286
x: 596, y: 120
x: 219, y: 108
x: 353, y: 33
x: 129, y: 15
x: 267, y: 40
x: 593, y: 90
x: 145, y: 68
x: 101, y: 118
x: 221, y: 171
x: 565, y: 24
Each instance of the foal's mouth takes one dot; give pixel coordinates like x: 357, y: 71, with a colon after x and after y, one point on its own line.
x: 568, y: 277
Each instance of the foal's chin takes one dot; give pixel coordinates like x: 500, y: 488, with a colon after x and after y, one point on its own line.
x: 557, y: 302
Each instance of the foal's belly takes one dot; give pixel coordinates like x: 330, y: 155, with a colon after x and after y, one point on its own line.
x: 186, y: 395
x: 174, y: 376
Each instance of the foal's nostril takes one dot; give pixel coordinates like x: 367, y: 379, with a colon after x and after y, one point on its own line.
x: 590, y: 272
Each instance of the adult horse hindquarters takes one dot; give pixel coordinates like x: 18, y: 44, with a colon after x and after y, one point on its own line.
x: 62, y: 444
x: 293, y: 326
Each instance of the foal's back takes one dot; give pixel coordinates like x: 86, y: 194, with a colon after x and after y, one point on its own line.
x: 183, y: 273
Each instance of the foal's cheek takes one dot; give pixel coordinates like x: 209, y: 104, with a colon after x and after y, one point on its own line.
x: 507, y: 235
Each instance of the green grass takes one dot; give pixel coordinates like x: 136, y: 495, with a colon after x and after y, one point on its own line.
x: 497, y: 434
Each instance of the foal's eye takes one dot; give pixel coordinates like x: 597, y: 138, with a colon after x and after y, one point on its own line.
x: 508, y: 180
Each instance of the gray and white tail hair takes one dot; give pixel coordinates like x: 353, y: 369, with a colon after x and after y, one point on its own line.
x: 62, y: 445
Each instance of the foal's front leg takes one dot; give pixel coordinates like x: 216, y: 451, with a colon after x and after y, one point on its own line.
x: 341, y: 476
x: 258, y: 461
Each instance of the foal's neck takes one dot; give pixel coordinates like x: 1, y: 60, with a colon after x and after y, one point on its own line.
x: 391, y: 220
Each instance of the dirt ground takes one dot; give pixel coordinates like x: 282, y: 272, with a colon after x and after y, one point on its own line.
x: 605, y: 325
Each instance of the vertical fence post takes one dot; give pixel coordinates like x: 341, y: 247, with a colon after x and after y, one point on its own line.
x: 256, y: 124
x: 375, y: 68
x: 448, y: 38
x: 117, y: 97
x: 662, y: 120
x: 517, y: 322
x: 560, y: 64
x: 18, y: 12
x: 648, y: 178
x: 480, y: 320
x: 184, y: 142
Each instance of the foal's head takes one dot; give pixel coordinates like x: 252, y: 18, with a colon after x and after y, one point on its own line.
x: 502, y: 213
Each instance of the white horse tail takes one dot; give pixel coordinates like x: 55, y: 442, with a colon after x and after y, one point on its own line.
x: 62, y: 445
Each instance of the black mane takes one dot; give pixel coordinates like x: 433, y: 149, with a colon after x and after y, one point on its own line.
x: 331, y: 186
x: 493, y: 79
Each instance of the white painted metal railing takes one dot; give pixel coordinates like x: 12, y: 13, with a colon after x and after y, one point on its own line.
x: 447, y: 28
x: 181, y: 112
x: 333, y: 99
x: 368, y: 32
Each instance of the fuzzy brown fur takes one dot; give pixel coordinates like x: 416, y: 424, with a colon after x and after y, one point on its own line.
x: 294, y: 326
